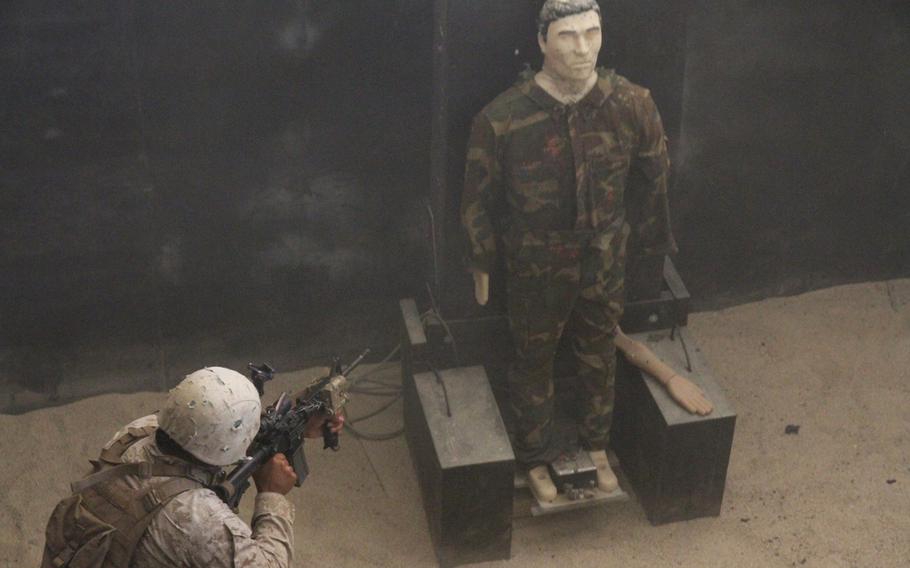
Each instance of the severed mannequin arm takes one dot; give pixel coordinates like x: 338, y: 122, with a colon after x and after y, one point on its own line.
x: 681, y: 389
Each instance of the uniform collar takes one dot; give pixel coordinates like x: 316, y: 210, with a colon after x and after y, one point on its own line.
x: 200, y: 471
x: 543, y: 99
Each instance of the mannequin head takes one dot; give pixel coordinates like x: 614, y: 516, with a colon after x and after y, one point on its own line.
x: 569, y: 35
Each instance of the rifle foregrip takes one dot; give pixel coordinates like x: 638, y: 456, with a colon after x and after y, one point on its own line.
x: 329, y: 438
x: 301, y: 468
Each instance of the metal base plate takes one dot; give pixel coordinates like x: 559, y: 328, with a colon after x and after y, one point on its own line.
x: 574, y: 473
x: 562, y: 503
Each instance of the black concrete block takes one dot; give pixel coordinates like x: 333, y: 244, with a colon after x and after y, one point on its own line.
x: 675, y: 461
x: 464, y: 462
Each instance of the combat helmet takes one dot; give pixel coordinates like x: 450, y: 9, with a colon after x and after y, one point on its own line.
x: 213, y: 414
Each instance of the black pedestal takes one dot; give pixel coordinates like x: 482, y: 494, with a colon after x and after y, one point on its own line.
x: 676, y: 461
x: 461, y: 453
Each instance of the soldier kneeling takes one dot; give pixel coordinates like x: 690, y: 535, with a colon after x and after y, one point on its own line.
x: 148, y: 504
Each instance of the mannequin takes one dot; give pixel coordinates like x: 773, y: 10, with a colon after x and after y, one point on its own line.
x: 557, y: 148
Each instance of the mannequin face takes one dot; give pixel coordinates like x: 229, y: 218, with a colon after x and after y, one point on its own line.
x: 571, y: 46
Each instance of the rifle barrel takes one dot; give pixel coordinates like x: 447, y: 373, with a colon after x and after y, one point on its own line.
x: 356, y: 362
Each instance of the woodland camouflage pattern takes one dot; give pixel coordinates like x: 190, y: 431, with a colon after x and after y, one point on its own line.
x: 562, y: 189
x: 196, y: 528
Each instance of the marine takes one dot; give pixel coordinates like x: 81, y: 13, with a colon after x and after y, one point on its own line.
x: 161, y: 513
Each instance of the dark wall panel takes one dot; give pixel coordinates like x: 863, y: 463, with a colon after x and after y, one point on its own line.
x: 77, y: 239
x: 206, y: 182
x: 793, y: 170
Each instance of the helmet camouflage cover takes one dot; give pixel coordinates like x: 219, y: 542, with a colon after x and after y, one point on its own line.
x: 213, y: 414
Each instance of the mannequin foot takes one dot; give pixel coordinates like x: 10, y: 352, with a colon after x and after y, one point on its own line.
x: 541, y: 485
x: 606, y: 479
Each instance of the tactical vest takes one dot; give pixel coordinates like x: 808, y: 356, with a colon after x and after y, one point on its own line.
x: 101, y: 523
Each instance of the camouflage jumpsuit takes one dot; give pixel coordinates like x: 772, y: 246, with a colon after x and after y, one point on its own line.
x: 197, y: 529
x: 550, y: 184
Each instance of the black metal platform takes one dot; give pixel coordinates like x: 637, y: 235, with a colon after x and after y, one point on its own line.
x: 675, y: 462
x: 464, y: 462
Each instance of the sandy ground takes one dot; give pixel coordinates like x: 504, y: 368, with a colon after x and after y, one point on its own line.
x: 835, y: 495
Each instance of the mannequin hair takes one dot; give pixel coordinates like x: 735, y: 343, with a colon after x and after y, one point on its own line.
x: 553, y: 10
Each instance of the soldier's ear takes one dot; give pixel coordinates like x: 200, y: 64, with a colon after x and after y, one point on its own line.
x: 542, y: 42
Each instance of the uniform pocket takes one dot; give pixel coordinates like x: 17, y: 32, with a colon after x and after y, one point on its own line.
x: 535, y: 187
x: 609, y: 176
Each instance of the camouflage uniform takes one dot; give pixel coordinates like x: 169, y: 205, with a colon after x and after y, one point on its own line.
x: 550, y: 183
x: 196, y: 528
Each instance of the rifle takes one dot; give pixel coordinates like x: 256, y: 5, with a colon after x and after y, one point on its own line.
x: 282, y: 425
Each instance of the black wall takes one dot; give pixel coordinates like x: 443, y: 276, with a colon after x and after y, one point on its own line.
x: 794, y: 162
x: 209, y: 182
x: 205, y: 182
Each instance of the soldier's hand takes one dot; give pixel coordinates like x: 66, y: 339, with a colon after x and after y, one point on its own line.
x: 313, y: 427
x: 275, y: 476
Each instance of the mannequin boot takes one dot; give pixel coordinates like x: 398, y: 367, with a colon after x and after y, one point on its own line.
x: 541, y: 485
x: 606, y: 479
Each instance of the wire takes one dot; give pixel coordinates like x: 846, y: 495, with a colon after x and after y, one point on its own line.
x: 433, y: 240
x: 376, y: 367
x: 365, y: 384
x: 435, y: 313
x: 368, y: 386
x: 376, y: 411
x: 683, y: 343
x: 681, y: 340
x: 374, y: 437
x: 442, y: 383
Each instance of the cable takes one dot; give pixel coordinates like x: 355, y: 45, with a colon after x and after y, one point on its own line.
x: 433, y: 240
x: 683, y: 343
x: 378, y: 388
x: 376, y: 411
x: 366, y: 385
x: 442, y: 383
x: 434, y: 312
x: 385, y: 360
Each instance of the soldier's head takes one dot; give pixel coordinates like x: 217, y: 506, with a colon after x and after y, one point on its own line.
x: 213, y: 414
x: 569, y: 34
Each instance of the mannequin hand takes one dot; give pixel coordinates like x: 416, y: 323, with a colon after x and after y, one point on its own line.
x: 689, y: 396
x: 481, y: 287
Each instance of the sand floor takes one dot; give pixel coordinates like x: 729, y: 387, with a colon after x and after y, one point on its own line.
x: 836, y: 362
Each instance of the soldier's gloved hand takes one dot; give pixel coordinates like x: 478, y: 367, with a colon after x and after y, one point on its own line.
x: 313, y: 428
x: 275, y: 476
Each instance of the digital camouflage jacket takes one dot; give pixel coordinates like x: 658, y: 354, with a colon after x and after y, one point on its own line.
x: 196, y: 528
x: 541, y: 174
